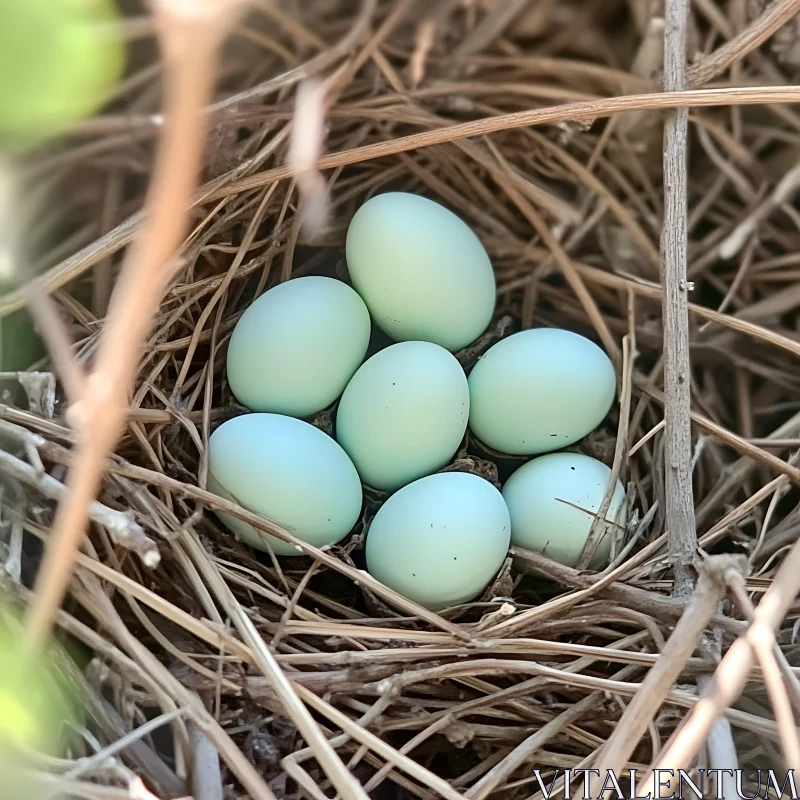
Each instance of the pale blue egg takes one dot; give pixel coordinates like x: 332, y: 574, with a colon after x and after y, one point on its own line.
x: 289, y: 472
x: 440, y: 540
x: 296, y: 347
x: 539, y: 390
x: 404, y: 414
x: 553, y: 501
x: 421, y: 270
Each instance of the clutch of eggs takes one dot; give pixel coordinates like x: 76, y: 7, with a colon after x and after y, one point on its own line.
x: 425, y: 279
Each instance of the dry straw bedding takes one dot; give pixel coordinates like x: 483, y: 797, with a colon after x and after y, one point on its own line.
x: 510, y: 119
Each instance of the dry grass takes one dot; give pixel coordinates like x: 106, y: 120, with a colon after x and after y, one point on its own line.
x: 297, y: 671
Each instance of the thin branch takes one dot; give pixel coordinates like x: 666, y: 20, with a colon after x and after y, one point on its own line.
x: 524, y: 751
x: 732, y: 673
x: 347, y: 786
x: 633, y: 724
x: 206, y: 775
x: 774, y: 16
x: 42, y: 785
x: 582, y: 112
x: 721, y: 749
x: 652, y: 603
x: 190, y: 37
x: 121, y: 526
x: 245, y: 772
x: 600, y: 526
x: 742, y: 446
x: 765, y: 647
x: 52, y: 329
x: 675, y: 304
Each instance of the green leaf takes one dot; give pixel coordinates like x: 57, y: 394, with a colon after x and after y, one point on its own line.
x: 36, y: 706
x: 20, y: 346
x: 59, y: 60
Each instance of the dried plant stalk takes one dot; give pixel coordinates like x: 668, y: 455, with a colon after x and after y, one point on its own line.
x: 677, y: 369
x: 639, y: 714
x: 190, y: 39
x: 732, y: 673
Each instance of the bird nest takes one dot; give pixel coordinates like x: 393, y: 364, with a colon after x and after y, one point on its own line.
x: 213, y: 669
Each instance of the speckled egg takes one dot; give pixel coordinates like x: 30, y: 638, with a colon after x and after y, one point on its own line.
x: 539, y: 390
x: 553, y: 501
x: 440, y: 540
x: 404, y: 414
x: 421, y: 270
x: 296, y: 347
x: 290, y: 473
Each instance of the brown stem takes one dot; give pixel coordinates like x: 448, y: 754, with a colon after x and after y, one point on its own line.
x: 730, y: 677
x: 121, y: 525
x: 675, y: 304
x: 774, y: 16
x: 190, y: 48
x: 639, y: 714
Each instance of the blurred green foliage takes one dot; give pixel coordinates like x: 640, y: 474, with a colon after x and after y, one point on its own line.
x: 37, y: 713
x: 36, y: 705
x: 59, y: 60
x: 20, y: 346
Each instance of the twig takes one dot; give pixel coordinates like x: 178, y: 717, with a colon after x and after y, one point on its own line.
x: 721, y: 748
x: 489, y: 28
x: 408, y: 747
x: 764, y: 648
x: 314, y: 66
x: 774, y: 16
x: 348, y: 787
x: 742, y: 446
x: 678, y: 440
x: 524, y: 751
x: 55, y: 335
x: 51, y: 787
x: 244, y: 771
x: 86, y: 765
x: 584, y: 111
x: 730, y: 677
x: 710, y: 589
x: 206, y: 778
x: 782, y: 193
x: 123, y: 529
x: 656, y: 605
x: 380, y: 747
x: 190, y: 36
x: 303, y: 779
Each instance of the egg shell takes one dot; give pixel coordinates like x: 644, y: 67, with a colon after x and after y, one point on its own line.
x: 421, y: 270
x: 404, y: 414
x: 296, y: 347
x: 539, y: 390
x: 440, y: 540
x: 542, y: 496
x: 290, y: 473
